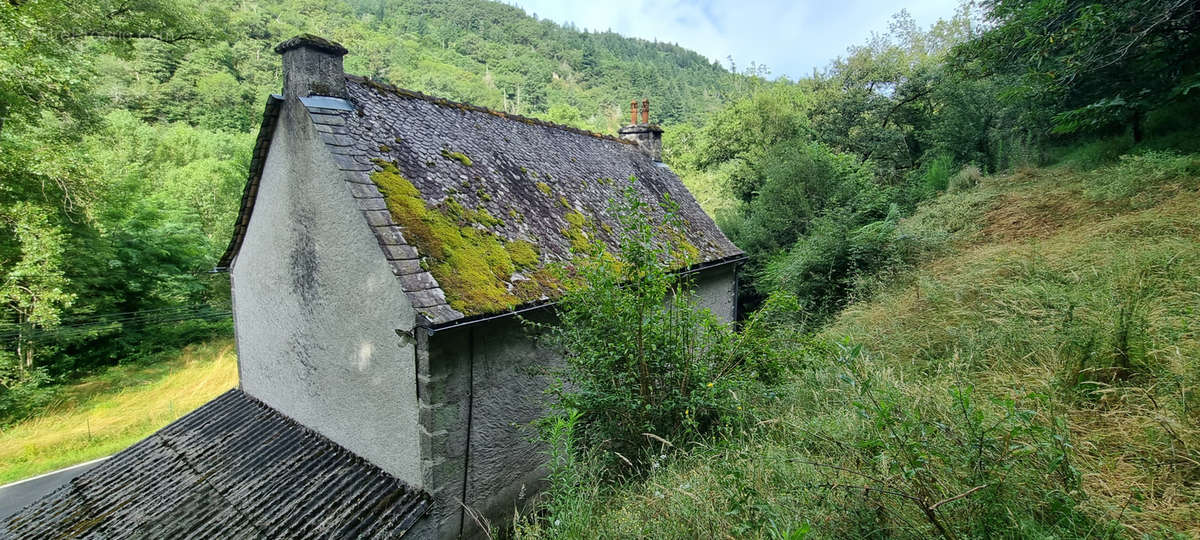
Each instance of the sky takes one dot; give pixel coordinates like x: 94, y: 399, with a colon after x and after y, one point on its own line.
x: 790, y: 38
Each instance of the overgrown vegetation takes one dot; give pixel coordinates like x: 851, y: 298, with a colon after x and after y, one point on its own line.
x: 815, y: 173
x: 643, y: 363
x: 972, y: 346
x: 1026, y: 370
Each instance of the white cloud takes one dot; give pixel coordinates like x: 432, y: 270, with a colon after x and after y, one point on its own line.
x: 789, y: 37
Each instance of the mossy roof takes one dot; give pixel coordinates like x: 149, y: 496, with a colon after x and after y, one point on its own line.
x: 513, y: 180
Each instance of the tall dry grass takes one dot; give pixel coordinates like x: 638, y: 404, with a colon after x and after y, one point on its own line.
x: 1066, y: 301
x: 115, y: 409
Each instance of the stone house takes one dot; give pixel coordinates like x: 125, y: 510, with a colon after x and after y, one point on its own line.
x: 385, y: 244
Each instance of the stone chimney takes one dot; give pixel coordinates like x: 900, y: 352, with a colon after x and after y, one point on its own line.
x: 647, y: 136
x: 312, y: 66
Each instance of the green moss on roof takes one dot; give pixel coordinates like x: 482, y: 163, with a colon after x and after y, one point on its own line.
x: 480, y: 216
x: 522, y: 253
x: 480, y: 270
x: 457, y: 156
x: 542, y: 283
x: 576, y: 232
x: 485, y: 218
x: 683, y: 252
x: 576, y: 219
x: 471, y: 265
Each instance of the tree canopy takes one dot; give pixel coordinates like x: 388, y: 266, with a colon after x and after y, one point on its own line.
x: 1094, y: 64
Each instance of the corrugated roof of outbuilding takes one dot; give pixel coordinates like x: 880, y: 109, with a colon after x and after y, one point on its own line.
x: 234, y: 468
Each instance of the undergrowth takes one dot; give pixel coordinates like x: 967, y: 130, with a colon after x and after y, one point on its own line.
x: 1030, y: 368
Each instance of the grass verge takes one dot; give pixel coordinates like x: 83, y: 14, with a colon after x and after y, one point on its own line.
x: 112, y: 410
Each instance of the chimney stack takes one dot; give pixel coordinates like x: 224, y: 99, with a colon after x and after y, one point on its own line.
x: 647, y: 136
x: 312, y: 66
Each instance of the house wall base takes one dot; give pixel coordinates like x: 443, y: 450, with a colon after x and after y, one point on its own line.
x: 480, y: 387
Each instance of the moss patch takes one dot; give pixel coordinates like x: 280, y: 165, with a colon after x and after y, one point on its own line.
x: 683, y: 252
x: 576, y: 232
x: 542, y: 283
x: 522, y: 253
x: 480, y: 216
x: 544, y: 188
x: 472, y: 265
x: 457, y: 156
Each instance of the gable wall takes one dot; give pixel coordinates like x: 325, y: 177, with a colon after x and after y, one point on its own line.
x: 316, y: 308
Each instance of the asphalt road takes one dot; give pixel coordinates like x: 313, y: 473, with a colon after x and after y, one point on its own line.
x: 17, y: 495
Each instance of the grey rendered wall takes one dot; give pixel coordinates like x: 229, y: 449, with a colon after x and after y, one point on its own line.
x: 716, y: 289
x: 316, y: 308
x: 480, y: 386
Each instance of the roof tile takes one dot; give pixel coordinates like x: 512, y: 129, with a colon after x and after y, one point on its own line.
x: 524, y: 179
x: 234, y: 468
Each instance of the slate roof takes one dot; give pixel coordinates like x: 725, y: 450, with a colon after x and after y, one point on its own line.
x: 527, y: 174
x: 233, y: 468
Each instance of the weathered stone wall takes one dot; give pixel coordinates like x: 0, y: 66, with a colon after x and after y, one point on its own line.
x: 480, y: 385
x: 316, y: 308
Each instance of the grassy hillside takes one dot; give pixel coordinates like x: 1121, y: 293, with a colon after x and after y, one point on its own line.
x: 1035, y: 373
x: 108, y: 412
x: 1082, y: 289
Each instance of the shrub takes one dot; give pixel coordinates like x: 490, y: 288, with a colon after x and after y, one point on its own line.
x: 802, y: 182
x: 574, y: 484
x: 966, y: 178
x: 644, y: 364
x: 935, y: 174
x: 821, y: 268
x: 1096, y: 153
x: 1133, y: 174
x: 21, y: 392
x: 768, y: 344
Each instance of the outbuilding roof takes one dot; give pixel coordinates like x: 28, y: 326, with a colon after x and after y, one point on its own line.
x: 474, y: 207
x: 234, y: 468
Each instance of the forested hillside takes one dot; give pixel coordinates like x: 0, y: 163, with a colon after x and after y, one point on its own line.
x: 126, y: 129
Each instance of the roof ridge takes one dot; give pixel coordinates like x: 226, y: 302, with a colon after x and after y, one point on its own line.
x: 413, y: 94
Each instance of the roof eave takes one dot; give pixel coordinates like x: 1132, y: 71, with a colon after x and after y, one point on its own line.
x: 536, y: 305
x: 262, y: 146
